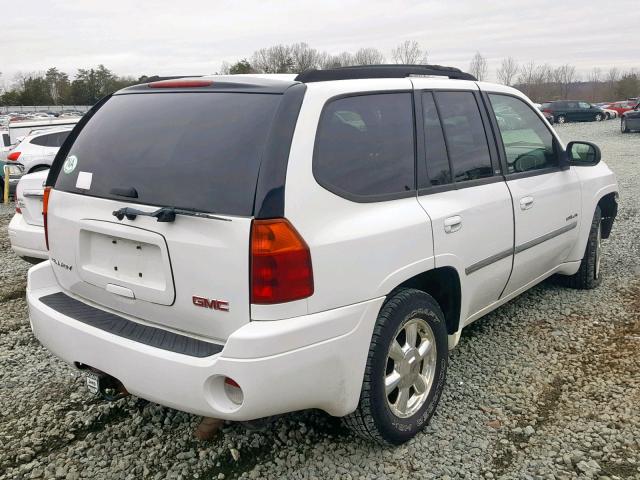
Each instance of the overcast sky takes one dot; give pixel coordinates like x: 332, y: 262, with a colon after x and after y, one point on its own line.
x: 135, y: 37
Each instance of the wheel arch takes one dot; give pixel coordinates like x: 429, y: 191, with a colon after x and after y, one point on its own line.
x: 443, y: 284
x: 39, y: 167
x: 609, y: 208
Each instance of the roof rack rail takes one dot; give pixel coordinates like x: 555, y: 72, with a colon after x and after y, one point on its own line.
x: 382, y: 71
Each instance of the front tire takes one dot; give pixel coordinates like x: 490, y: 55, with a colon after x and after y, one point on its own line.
x: 405, y: 371
x: 598, y: 117
x: 623, y: 126
x: 589, y: 275
x: 561, y: 119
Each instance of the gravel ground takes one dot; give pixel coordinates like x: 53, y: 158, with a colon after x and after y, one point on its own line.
x: 547, y: 386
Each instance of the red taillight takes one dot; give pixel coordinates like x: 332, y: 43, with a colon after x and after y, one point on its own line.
x: 45, y: 208
x: 180, y: 83
x: 13, y: 156
x: 18, y: 210
x: 281, y: 268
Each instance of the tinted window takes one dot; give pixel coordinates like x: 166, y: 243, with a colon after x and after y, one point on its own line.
x: 364, y: 145
x: 6, y: 139
x: 466, y: 138
x: 56, y: 139
x: 42, y: 140
x: 196, y: 151
x: 528, y: 143
x: 436, y: 151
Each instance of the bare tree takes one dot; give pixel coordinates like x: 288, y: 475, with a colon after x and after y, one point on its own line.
x: 225, y: 68
x: 276, y: 59
x: 595, y: 79
x: 565, y: 76
x: 368, y: 56
x: 535, y: 81
x: 478, y: 67
x: 409, y: 52
x: 304, y: 58
x: 613, y: 75
x: 343, y: 59
x: 508, y: 70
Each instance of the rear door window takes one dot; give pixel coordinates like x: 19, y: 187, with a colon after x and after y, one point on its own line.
x: 198, y: 151
x: 465, y: 135
x: 365, y: 146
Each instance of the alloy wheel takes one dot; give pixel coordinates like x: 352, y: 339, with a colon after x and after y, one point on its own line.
x: 410, y: 367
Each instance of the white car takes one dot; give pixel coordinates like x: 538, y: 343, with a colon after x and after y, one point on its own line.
x: 26, y: 229
x: 317, y: 241
x: 609, y: 114
x: 37, y: 150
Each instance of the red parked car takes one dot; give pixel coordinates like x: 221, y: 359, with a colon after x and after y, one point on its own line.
x: 623, y: 106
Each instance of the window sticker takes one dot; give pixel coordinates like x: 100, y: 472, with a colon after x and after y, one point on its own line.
x: 70, y: 164
x: 84, y: 180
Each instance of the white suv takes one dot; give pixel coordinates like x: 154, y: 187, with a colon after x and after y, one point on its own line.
x: 37, y: 150
x: 240, y: 246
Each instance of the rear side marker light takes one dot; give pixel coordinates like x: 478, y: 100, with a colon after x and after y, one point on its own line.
x: 281, y: 269
x: 181, y: 84
x: 13, y: 156
x: 45, y: 208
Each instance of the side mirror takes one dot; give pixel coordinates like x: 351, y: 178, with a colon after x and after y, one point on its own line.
x: 583, y: 154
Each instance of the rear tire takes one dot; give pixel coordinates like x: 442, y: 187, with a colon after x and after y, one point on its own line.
x: 405, y: 371
x: 589, y: 275
x: 561, y: 119
x: 598, y: 117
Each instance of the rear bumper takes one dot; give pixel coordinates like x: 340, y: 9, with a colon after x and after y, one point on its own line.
x: 27, y: 240
x: 313, y: 361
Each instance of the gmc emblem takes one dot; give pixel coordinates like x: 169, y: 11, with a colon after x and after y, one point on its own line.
x: 212, y: 304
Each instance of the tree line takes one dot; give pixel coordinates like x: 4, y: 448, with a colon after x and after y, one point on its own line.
x: 54, y: 87
x: 540, y: 82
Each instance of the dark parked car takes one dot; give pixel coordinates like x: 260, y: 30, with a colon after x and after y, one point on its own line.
x: 573, y: 111
x: 630, y: 120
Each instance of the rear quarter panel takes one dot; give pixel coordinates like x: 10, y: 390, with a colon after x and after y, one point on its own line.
x: 359, y: 251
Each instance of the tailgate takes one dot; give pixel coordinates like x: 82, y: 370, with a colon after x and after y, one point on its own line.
x: 189, y: 275
x: 30, y: 193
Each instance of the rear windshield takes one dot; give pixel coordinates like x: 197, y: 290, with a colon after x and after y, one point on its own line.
x: 198, y: 151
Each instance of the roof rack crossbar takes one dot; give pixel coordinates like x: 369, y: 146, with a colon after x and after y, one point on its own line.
x: 382, y: 71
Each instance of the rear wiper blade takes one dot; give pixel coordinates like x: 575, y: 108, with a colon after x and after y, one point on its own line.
x: 164, y: 214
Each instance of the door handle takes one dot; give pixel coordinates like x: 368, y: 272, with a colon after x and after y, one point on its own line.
x: 526, y: 203
x: 453, y: 224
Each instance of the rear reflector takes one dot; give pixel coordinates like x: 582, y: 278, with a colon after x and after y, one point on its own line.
x: 181, y: 83
x: 281, y: 269
x: 13, y: 156
x: 233, y: 391
x: 45, y: 208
